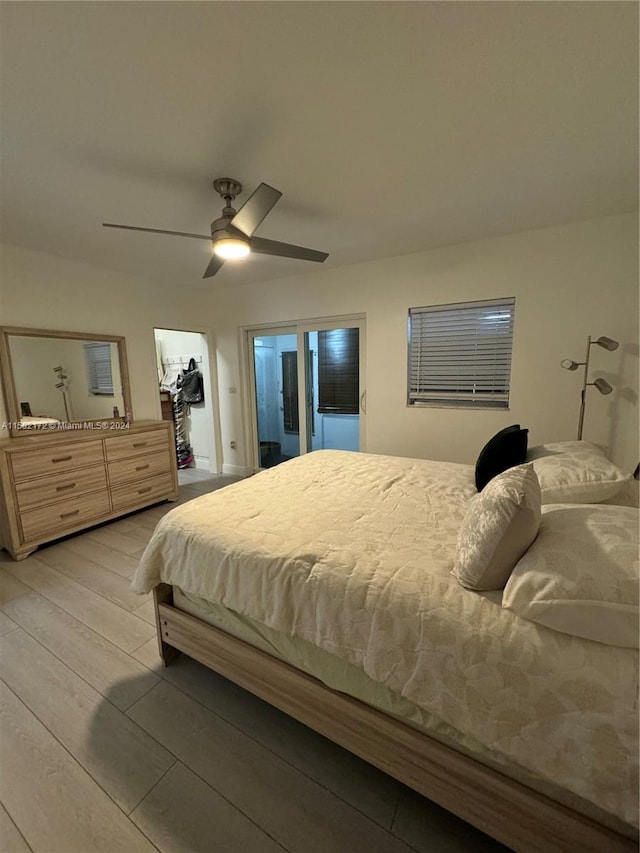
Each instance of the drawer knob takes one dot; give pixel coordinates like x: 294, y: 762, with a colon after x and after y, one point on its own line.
x: 69, y: 514
x: 142, y: 491
x: 140, y: 444
x: 62, y: 458
x: 64, y: 488
x: 141, y: 467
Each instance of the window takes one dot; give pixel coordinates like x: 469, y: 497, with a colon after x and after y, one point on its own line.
x: 338, y: 371
x: 460, y: 355
x: 99, y: 375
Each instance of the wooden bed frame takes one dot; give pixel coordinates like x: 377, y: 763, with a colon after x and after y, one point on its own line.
x: 515, y: 815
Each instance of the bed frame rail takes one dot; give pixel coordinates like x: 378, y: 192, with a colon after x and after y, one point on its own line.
x: 519, y: 817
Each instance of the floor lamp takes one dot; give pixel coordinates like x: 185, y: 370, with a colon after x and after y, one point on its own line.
x: 61, y: 385
x: 601, y: 384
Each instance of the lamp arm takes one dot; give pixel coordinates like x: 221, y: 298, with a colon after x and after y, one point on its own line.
x: 583, y: 395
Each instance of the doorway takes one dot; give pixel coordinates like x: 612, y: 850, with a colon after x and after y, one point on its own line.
x: 174, y: 350
x: 277, y: 425
x: 307, y: 389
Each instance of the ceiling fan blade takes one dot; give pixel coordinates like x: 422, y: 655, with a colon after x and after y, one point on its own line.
x: 157, y: 231
x: 285, y: 250
x: 214, y: 265
x: 255, y: 208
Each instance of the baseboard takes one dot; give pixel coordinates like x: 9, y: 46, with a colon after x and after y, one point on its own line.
x: 203, y: 463
x: 237, y: 470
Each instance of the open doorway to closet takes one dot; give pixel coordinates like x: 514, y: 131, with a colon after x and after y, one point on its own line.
x: 195, y: 437
x: 307, y: 388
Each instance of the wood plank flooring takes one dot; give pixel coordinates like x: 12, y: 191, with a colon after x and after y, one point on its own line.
x: 103, y: 749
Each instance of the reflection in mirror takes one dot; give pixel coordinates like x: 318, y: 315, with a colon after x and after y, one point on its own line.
x: 64, y: 380
x: 53, y: 377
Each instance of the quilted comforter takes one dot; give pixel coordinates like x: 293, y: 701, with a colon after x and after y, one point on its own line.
x: 353, y: 552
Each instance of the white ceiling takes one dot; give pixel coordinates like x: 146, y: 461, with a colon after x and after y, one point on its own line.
x: 390, y: 127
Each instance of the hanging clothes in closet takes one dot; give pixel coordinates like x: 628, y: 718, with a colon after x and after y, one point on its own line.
x: 184, y: 454
x: 171, y: 383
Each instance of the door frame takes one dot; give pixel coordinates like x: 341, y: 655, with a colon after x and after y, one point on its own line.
x: 210, y: 378
x: 299, y: 328
x: 249, y: 393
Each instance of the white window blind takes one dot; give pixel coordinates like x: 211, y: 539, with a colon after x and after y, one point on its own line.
x: 99, y: 375
x: 460, y: 355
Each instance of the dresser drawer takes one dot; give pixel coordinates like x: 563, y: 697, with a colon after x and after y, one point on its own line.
x: 53, y: 520
x: 144, y: 491
x: 133, y: 470
x: 60, y: 486
x: 60, y: 457
x: 137, y: 444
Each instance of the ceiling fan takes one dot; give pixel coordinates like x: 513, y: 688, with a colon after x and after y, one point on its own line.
x: 232, y: 234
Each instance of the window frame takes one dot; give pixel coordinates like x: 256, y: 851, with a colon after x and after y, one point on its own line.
x: 460, y: 395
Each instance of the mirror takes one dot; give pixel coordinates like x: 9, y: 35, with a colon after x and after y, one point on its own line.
x: 52, y: 378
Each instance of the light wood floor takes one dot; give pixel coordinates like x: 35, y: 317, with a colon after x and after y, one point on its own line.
x: 101, y: 749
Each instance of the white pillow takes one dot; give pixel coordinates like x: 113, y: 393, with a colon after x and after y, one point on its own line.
x: 500, y: 524
x: 575, y: 472
x: 580, y: 576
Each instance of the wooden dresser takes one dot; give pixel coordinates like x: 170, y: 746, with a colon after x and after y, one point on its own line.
x: 52, y: 485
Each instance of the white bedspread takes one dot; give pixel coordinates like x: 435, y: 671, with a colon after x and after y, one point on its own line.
x: 353, y: 552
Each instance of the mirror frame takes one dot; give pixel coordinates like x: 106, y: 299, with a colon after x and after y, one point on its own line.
x: 8, y: 382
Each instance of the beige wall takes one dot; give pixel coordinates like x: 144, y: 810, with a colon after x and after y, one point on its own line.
x: 569, y: 282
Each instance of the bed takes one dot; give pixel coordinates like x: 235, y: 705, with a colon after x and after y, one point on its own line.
x: 325, y: 587
x: 32, y: 421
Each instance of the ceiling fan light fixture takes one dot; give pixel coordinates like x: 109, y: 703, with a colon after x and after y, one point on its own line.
x: 232, y: 233
x: 231, y: 248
